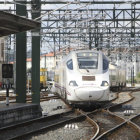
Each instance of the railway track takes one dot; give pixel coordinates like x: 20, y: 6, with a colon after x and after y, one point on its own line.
x: 105, y: 120
x: 68, y: 124
x: 98, y: 124
x: 122, y: 98
x: 124, y: 131
x: 71, y: 123
x: 128, y: 109
x: 112, y: 128
x: 136, y: 120
x: 109, y: 122
x: 44, y: 97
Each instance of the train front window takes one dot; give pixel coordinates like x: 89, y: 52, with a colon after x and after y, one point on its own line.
x: 87, y: 60
x: 105, y: 63
x: 70, y: 64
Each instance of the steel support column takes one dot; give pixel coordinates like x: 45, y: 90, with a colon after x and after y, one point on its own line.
x: 35, y: 55
x: 21, y: 58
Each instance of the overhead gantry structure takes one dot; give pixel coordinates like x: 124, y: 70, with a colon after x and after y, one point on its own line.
x: 103, y: 25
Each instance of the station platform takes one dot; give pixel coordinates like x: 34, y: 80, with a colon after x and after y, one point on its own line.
x: 18, y: 112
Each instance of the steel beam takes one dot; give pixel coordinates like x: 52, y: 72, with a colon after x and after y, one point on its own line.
x: 76, y: 2
x: 115, y: 23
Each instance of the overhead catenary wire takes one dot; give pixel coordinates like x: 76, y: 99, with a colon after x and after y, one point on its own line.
x: 61, y: 28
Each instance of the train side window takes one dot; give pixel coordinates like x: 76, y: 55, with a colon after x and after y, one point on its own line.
x: 70, y: 64
x: 105, y: 63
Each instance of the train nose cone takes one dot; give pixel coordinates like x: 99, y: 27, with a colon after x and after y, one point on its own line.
x: 89, y: 93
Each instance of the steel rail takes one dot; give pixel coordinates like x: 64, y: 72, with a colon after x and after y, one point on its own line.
x: 134, y: 119
x: 121, y: 103
x: 56, y: 118
x: 102, y: 115
x: 126, y: 122
x: 109, y: 132
x: 54, y: 122
x: 92, y: 122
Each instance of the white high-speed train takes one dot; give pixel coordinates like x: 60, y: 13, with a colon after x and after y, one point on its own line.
x: 83, y: 77
x: 117, y: 76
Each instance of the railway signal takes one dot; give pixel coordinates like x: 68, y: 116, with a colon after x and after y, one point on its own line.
x: 7, y: 72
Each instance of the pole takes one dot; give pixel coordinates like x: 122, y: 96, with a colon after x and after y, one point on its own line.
x: 28, y: 84
x: 7, y: 92
x: 133, y: 75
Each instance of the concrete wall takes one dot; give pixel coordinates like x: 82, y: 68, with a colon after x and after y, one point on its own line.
x: 18, y: 113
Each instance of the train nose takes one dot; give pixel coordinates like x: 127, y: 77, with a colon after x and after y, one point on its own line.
x: 89, y: 93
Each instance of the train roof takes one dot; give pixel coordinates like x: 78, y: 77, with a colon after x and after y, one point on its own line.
x: 77, y: 51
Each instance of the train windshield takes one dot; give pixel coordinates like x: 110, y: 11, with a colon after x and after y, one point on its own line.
x: 87, y: 60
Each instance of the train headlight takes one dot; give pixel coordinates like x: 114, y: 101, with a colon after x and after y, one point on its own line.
x: 104, y: 83
x: 73, y: 83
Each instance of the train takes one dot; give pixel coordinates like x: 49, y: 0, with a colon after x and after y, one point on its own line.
x: 83, y: 77
x: 43, y: 79
x: 117, y: 76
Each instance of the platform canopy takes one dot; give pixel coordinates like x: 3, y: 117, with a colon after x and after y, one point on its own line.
x: 11, y: 24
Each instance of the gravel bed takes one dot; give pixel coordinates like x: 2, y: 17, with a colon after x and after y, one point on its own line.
x: 123, y: 96
x: 72, y: 131
x: 112, y: 95
x: 53, y: 106
x: 129, y: 109
x: 32, y: 126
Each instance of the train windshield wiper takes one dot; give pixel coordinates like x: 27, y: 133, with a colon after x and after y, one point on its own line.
x: 86, y: 68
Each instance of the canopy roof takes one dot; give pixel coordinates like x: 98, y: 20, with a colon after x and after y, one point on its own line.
x: 11, y: 24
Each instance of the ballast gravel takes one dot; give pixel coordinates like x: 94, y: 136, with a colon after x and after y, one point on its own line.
x: 74, y: 131
x: 53, y: 106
